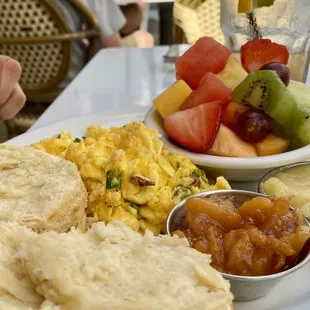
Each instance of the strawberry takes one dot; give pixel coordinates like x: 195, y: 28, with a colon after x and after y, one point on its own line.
x: 256, y: 53
x: 195, y: 128
x: 211, y: 88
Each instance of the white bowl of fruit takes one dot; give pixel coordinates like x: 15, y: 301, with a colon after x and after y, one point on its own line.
x: 235, y: 118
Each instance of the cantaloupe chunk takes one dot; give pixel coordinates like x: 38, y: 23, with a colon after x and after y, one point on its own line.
x: 271, y: 145
x: 172, y: 98
x: 228, y: 144
x: 232, y: 113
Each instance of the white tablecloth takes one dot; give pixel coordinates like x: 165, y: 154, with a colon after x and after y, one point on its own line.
x: 114, y: 79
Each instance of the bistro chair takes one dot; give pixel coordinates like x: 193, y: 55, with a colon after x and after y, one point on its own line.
x: 197, y: 18
x: 39, y: 35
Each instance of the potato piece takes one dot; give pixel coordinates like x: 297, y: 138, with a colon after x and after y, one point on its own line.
x: 257, y: 237
x: 281, y: 206
x: 240, y: 256
x: 226, y: 217
x: 214, y: 236
x: 258, y: 210
x: 229, y: 240
x: 262, y: 262
x: 202, y: 245
x: 198, y: 222
x: 298, y: 239
x: 282, y: 247
x: 279, y: 262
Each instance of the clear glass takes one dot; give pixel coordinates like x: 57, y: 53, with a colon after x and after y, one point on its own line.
x: 286, y: 22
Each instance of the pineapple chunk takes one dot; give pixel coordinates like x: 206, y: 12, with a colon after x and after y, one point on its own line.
x: 233, y: 73
x: 227, y: 143
x: 172, y: 98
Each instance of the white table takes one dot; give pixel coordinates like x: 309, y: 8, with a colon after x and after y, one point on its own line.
x: 115, y: 79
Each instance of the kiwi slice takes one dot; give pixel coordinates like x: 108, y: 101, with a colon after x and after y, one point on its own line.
x: 261, y: 3
x: 265, y: 91
x: 301, y: 94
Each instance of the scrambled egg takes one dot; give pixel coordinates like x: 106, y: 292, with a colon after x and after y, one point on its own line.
x: 128, y: 174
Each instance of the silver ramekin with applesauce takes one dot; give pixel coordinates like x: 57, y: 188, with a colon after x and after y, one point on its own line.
x: 291, y: 180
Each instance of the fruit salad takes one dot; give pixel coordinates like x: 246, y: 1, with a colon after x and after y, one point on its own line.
x: 235, y: 106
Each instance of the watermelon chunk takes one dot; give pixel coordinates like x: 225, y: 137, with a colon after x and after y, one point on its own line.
x: 211, y: 88
x: 206, y: 55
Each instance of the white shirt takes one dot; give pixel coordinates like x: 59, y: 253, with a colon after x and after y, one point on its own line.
x: 108, y: 14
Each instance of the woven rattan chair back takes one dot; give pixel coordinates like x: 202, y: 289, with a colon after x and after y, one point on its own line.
x: 198, y: 18
x: 35, y: 33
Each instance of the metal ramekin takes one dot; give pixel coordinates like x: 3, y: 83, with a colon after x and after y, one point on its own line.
x: 272, y: 172
x: 244, y: 288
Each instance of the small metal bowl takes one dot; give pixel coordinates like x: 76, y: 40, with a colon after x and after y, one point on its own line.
x: 244, y: 288
x: 272, y: 172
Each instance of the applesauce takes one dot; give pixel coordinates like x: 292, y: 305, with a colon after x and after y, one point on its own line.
x: 294, y: 182
x: 258, y: 238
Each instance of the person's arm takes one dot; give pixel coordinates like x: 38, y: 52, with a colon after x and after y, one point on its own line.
x: 110, y: 18
x: 12, y: 97
x: 113, y: 40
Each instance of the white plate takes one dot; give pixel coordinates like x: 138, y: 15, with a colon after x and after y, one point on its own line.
x: 292, y: 293
x: 78, y: 125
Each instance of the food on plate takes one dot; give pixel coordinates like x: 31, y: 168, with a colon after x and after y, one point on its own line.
x: 256, y: 53
x: 172, y: 98
x: 128, y: 174
x: 233, y: 73
x: 282, y: 71
x: 232, y: 113
x: 271, y: 145
x: 253, y: 126
x: 108, y: 267
x: 210, y: 88
x: 206, y: 55
x: 301, y: 95
x: 268, y: 93
x: 196, y: 128
x: 257, y: 238
x: 294, y: 182
x: 41, y: 191
x: 258, y: 108
x: 227, y: 143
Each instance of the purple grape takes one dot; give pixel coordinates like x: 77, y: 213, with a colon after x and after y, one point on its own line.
x: 282, y: 70
x: 253, y: 126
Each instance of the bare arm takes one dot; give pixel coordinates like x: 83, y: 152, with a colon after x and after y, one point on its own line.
x: 12, y: 98
x: 113, y: 40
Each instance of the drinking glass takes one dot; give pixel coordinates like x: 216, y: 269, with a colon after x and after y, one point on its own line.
x: 286, y: 22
